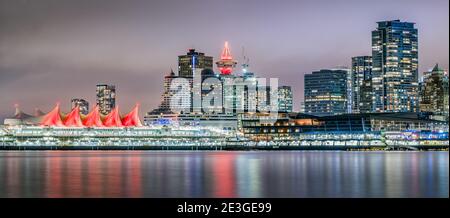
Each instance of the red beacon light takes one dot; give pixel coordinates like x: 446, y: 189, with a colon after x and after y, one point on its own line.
x: 226, y: 63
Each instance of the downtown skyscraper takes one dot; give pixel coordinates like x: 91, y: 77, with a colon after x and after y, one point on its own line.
x: 192, y: 60
x: 395, y: 67
x: 285, y: 99
x: 434, y: 94
x: 361, y: 84
x: 326, y: 92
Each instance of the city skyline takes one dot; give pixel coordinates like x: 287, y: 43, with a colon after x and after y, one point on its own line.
x: 52, y: 65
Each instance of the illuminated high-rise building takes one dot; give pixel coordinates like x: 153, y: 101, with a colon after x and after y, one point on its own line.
x: 285, y: 99
x: 395, y: 67
x: 165, y: 105
x: 187, y: 64
x: 106, y: 98
x: 263, y: 98
x: 82, y: 104
x: 226, y: 63
x: 361, y: 81
x: 212, y: 90
x: 326, y: 92
x: 434, y: 95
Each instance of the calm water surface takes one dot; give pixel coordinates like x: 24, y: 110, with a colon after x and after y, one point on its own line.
x: 223, y: 174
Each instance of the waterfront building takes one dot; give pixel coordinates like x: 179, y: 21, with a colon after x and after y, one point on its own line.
x: 285, y: 99
x: 55, y: 118
x: 361, y: 83
x: 290, y: 125
x: 395, y: 67
x: 82, y: 104
x: 106, y: 98
x: 187, y: 64
x: 157, y: 136
x: 434, y: 95
x: 326, y: 92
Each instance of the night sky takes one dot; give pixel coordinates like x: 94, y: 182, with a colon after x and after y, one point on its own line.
x: 54, y: 50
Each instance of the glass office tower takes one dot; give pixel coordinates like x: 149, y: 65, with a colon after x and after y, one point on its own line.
x: 395, y: 67
x: 193, y: 60
x: 361, y: 80
x: 326, y: 92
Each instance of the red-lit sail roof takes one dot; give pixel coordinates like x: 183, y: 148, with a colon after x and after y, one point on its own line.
x: 53, y: 118
x: 132, y: 118
x: 113, y: 119
x: 93, y: 119
x: 73, y: 118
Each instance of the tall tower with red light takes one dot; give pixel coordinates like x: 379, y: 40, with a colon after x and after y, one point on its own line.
x: 226, y: 63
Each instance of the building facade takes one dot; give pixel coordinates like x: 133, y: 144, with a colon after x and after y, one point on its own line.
x: 191, y: 61
x: 395, y: 67
x: 326, y: 92
x: 82, y: 104
x: 106, y: 98
x: 289, y: 125
x: 435, y: 93
x: 285, y: 99
x: 361, y: 80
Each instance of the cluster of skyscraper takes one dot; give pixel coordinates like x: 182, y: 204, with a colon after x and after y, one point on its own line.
x: 237, y: 95
x: 387, y: 81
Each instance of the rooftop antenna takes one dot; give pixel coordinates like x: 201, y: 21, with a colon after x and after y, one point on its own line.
x: 245, y: 61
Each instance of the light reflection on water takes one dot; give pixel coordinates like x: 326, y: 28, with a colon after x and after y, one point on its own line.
x: 133, y: 174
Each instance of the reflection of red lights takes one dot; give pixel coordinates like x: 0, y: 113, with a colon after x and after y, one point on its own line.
x: 73, y: 174
x: 73, y: 177
x: 54, y: 181
x: 95, y: 181
x: 114, y: 180
x: 224, y: 176
x: 134, y: 181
